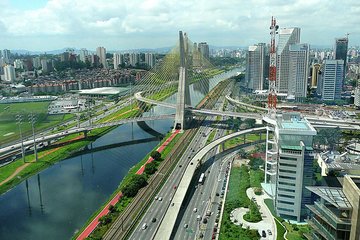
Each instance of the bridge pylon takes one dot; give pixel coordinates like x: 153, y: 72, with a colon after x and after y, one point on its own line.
x: 180, y: 101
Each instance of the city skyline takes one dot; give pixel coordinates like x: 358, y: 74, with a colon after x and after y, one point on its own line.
x: 45, y: 25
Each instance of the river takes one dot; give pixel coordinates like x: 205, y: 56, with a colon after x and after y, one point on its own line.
x: 55, y: 203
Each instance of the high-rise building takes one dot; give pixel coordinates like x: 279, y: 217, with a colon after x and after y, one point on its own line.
x: 9, y: 73
x: 315, y: 74
x: 83, y: 54
x: 118, y: 60
x: 101, y: 53
x: 357, y: 97
x: 134, y: 59
x: 6, y: 55
x: 287, y: 36
x: 289, y: 165
x: 255, y: 67
x: 341, y: 48
x: 36, y: 62
x: 298, y: 70
x: 204, y: 49
x: 331, y: 80
x: 336, y: 214
x: 150, y: 59
x: 18, y: 64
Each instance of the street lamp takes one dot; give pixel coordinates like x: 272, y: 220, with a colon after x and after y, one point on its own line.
x: 32, y: 120
x: 19, y: 119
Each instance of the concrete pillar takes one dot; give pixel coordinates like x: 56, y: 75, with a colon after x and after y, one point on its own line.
x: 180, y: 102
x: 85, y: 133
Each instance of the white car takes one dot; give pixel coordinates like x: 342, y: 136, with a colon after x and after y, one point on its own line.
x: 195, y: 210
x: 144, y: 226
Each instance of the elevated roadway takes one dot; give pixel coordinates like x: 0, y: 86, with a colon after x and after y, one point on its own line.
x: 168, y: 222
x: 50, y: 137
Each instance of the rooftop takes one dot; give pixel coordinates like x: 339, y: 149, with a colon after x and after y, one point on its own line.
x: 103, y: 91
x: 333, y: 195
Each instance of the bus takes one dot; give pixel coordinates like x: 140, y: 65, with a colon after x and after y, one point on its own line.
x: 202, y: 178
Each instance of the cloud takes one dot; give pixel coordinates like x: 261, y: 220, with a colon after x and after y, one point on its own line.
x: 238, y: 22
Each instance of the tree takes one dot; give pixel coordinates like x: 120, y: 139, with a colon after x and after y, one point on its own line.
x: 106, y: 219
x: 134, y: 185
x: 155, y: 155
x: 250, y: 122
x: 150, y: 168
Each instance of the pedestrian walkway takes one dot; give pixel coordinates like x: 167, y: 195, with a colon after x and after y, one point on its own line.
x: 95, y: 221
x: 160, y: 149
x: 267, y: 222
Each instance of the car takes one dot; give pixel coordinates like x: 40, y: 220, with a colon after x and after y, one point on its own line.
x: 180, y: 165
x: 205, y: 221
x: 186, y: 225
x: 160, y: 199
x: 263, y: 233
x: 198, y: 218
x: 195, y: 210
x: 208, y: 213
x: 156, y: 198
x: 175, y: 186
x: 269, y: 232
x: 219, y: 207
x: 217, y: 194
x: 144, y: 226
x: 201, y: 235
x: 191, y: 163
x: 153, y: 220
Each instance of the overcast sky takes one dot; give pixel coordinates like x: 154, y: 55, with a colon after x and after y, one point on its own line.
x: 117, y: 24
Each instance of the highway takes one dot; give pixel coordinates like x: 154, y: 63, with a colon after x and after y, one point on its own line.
x: 158, y: 207
x: 201, y: 198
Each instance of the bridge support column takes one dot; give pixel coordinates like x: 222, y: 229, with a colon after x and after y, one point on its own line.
x: 85, y: 134
x: 180, y: 102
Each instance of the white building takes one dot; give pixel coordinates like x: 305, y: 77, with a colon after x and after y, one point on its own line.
x: 134, y: 59
x: 299, y: 70
x: 150, y: 59
x: 83, y: 54
x: 101, y: 53
x: 287, y: 36
x: 9, y: 73
x: 118, y: 60
x: 18, y: 64
x: 331, y: 80
x: 289, y: 165
x: 357, y: 97
x: 6, y: 55
x: 255, y: 67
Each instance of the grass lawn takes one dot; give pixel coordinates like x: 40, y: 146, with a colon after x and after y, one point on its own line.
x: 295, y: 231
x: 9, y: 130
x: 256, y: 178
x: 236, y: 197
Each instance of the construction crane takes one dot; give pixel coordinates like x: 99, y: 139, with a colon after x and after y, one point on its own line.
x: 272, y: 97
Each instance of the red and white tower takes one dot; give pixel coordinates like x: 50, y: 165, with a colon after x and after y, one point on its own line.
x: 272, y: 97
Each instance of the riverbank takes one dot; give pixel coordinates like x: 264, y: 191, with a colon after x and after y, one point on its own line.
x: 164, y: 147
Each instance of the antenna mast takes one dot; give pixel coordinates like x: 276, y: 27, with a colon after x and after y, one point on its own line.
x: 272, y: 97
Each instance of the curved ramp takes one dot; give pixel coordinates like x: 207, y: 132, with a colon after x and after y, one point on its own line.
x: 168, y: 222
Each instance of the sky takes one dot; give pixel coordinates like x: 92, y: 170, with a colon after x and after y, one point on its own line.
x: 40, y: 25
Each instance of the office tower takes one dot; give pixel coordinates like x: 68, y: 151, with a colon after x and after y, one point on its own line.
x: 315, y: 74
x: 46, y: 65
x: 83, y: 54
x: 150, y: 59
x: 298, y: 71
x: 357, y: 97
x: 289, y: 165
x: 204, y: 49
x: 101, y: 53
x: 134, y: 59
x: 255, y: 67
x: 287, y: 36
x: 341, y: 48
x: 331, y: 80
x: 336, y: 214
x: 118, y: 60
x: 6, y: 55
x: 9, y: 73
